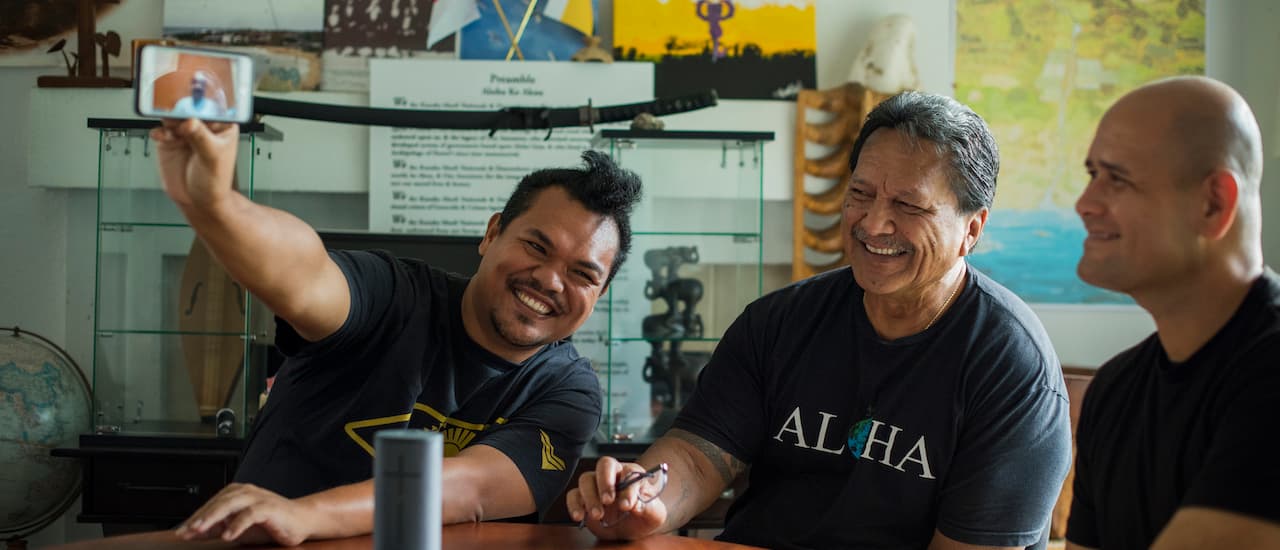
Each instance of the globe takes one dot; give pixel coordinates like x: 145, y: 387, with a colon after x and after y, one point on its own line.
x: 44, y: 403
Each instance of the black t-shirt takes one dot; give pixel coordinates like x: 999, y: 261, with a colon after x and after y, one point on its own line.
x: 403, y: 360
x: 1155, y: 436
x: 970, y: 432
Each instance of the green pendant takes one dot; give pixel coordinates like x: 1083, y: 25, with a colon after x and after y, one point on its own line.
x: 858, y: 435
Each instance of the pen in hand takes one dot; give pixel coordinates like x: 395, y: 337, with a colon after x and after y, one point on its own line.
x: 633, y: 479
x: 630, y: 480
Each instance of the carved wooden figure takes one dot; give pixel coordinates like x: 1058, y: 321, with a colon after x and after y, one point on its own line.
x: 88, y: 40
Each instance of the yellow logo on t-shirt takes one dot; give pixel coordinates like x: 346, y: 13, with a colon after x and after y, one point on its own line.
x: 549, y: 459
x: 457, y: 433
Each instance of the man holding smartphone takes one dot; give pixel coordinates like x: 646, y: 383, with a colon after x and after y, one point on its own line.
x: 378, y: 342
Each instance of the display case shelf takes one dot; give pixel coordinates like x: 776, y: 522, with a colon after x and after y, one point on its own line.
x: 696, y: 261
x: 643, y: 339
x: 177, y: 342
x: 108, y: 332
x: 128, y: 226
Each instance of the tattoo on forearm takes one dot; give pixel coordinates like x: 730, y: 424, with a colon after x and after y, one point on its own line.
x: 726, y: 464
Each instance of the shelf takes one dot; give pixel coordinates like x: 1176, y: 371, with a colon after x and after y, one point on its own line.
x: 107, y: 333
x: 698, y: 247
x: 702, y: 135
x: 736, y: 235
x: 140, y: 126
x: 116, y: 226
x: 642, y: 339
x: 174, y: 341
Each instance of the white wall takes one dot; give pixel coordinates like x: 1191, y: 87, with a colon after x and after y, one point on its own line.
x: 47, y: 244
x: 46, y: 267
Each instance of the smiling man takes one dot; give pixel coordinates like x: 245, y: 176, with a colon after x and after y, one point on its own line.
x: 1176, y: 441
x: 907, y: 401
x: 378, y: 342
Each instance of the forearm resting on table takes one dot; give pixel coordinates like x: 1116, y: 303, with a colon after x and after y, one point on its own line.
x: 698, y: 472
x: 473, y: 489
x: 278, y: 258
x: 345, y: 511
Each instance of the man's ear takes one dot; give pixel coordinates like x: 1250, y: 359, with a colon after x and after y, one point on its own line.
x: 490, y: 232
x: 977, y: 221
x: 1219, y: 197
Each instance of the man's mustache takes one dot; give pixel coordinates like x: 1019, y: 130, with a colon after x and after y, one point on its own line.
x: 881, y: 242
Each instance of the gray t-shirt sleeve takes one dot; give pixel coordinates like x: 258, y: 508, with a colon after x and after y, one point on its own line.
x: 1013, y: 451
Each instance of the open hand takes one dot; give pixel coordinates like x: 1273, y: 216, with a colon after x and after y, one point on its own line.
x: 250, y: 515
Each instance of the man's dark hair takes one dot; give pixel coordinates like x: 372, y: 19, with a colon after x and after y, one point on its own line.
x: 601, y: 186
x: 958, y: 135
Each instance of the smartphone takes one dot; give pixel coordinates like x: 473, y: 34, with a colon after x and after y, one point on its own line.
x: 181, y: 82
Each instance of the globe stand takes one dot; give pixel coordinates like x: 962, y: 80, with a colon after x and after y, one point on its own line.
x: 16, y: 544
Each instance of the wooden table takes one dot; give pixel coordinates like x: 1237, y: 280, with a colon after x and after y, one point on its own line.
x: 465, y: 536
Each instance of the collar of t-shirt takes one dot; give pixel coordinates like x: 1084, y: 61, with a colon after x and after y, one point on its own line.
x: 867, y: 331
x: 1261, y: 293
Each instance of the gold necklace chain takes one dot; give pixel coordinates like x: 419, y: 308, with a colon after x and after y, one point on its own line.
x: 936, y: 314
x: 944, y: 305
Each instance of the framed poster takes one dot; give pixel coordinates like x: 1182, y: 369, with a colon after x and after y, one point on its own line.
x: 1042, y: 74
x: 448, y: 182
x: 283, y: 36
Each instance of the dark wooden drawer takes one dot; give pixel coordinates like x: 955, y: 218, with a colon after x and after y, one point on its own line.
x: 152, y: 488
x: 153, y: 481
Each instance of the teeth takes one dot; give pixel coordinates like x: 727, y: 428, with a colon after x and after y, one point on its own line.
x: 882, y: 251
x: 537, y: 306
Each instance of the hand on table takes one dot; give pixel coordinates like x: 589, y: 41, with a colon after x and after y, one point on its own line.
x: 630, y: 515
x: 248, y: 514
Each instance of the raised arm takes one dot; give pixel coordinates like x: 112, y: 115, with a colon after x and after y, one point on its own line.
x: 275, y: 255
x: 698, y: 472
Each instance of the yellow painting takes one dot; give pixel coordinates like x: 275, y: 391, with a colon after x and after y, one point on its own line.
x: 756, y: 49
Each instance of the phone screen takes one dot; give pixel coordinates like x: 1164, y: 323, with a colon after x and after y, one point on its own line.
x: 176, y: 82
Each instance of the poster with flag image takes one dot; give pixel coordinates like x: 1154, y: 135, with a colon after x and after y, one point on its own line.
x: 555, y: 29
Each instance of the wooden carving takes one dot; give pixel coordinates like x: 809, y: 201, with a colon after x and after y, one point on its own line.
x: 88, y: 42
x: 849, y: 105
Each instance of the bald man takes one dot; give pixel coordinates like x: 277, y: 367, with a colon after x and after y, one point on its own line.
x: 207, y: 99
x: 1177, y: 440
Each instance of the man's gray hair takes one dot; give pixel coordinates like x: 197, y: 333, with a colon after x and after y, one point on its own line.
x: 958, y: 135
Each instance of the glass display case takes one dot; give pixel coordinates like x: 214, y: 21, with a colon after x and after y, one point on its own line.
x: 696, y: 261
x: 179, y: 347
